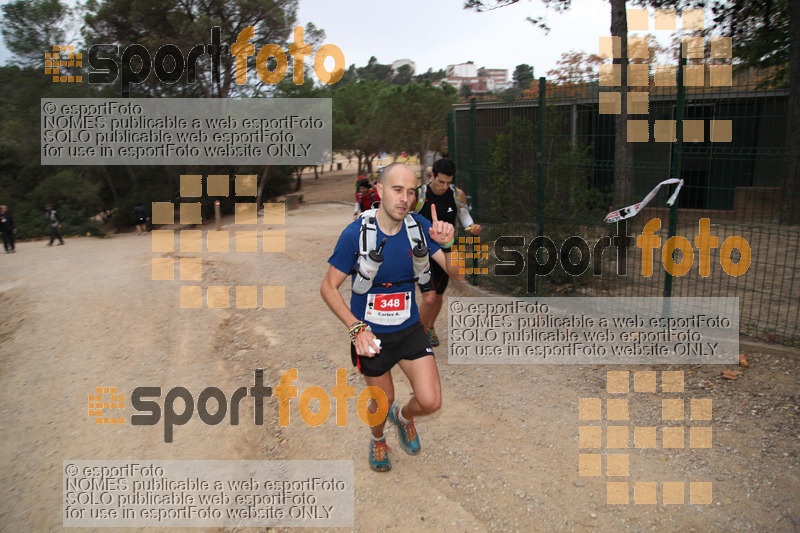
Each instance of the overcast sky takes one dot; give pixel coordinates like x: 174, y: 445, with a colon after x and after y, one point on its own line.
x: 436, y: 33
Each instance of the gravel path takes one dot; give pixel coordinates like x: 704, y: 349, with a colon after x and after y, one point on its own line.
x: 501, y: 455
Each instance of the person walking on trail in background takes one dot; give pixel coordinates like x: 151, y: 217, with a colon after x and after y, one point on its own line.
x: 386, y: 251
x: 140, y: 214
x: 450, y: 202
x: 9, y: 230
x: 54, y: 223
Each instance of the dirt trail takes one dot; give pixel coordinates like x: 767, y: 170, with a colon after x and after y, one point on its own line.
x: 502, y: 454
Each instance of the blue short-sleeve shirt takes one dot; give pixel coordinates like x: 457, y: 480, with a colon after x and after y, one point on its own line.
x: 397, y: 267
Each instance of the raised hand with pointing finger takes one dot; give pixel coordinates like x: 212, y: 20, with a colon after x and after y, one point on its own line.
x: 442, y: 232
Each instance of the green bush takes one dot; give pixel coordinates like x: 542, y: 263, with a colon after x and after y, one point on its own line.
x: 570, y: 206
x: 74, y: 199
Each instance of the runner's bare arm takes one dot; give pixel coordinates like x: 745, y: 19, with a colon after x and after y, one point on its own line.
x: 331, y: 295
x: 464, y: 216
x: 443, y: 233
x: 444, y: 262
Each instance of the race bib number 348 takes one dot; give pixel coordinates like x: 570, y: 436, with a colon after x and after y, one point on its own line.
x: 388, y: 309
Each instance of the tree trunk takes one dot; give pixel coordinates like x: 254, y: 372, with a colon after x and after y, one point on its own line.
x: 316, y: 173
x: 790, y: 201
x: 261, y: 185
x: 299, y: 179
x: 110, y: 185
x: 358, y: 154
x: 623, y: 153
x: 132, y: 176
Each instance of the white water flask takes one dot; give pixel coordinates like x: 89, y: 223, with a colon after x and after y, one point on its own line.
x: 367, y: 269
x: 422, y: 267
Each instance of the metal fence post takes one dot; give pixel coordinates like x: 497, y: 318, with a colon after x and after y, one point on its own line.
x: 540, y: 173
x: 677, y: 151
x: 473, y: 178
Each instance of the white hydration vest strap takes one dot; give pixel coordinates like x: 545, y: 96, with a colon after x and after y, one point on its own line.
x: 368, y: 241
x: 368, y: 237
x: 423, y: 189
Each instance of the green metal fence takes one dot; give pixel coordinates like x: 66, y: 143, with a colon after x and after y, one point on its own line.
x: 546, y: 166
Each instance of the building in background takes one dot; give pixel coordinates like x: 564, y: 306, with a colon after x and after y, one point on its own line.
x: 400, y: 62
x: 479, y: 80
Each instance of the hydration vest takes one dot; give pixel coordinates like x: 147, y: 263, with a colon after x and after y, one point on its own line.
x: 368, y: 241
x: 423, y: 190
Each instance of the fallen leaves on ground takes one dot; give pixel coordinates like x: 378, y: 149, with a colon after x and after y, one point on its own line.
x: 731, y: 374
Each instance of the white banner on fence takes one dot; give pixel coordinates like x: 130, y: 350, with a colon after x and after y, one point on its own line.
x: 631, y: 210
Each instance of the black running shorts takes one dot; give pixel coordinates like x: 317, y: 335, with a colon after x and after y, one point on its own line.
x: 410, y: 343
